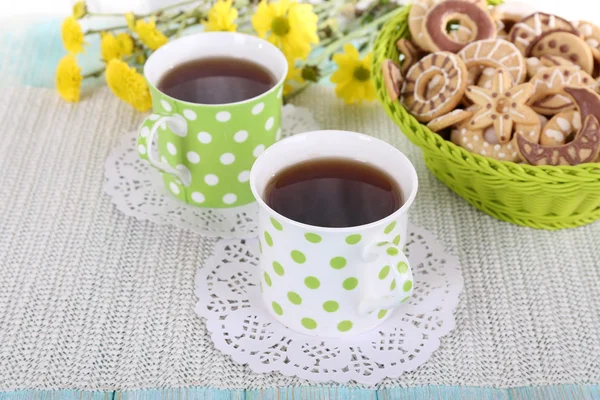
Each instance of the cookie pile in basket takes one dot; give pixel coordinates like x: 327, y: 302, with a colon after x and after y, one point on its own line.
x: 505, y: 82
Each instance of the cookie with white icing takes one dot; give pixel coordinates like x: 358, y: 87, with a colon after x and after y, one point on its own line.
x: 524, y: 34
x: 562, y: 126
x: 548, y: 97
x: 426, y: 107
x: 583, y: 149
x: 495, y: 53
x: 567, y: 46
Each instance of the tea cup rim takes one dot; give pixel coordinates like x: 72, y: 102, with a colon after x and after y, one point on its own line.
x: 205, y: 36
x: 316, y: 134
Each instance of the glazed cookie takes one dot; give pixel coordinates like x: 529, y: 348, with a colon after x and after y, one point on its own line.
x: 416, y: 21
x: 591, y: 35
x: 496, y: 53
x: 501, y: 106
x: 391, y: 78
x: 535, y: 65
x: 477, y: 19
x: 567, y: 46
x: 411, y: 54
x: 486, y: 78
x: 560, y: 127
x: 586, y: 145
x: 548, y: 97
x: 454, y: 73
x: 525, y: 33
x: 508, y: 14
x: 454, y: 117
x: 485, y: 142
x: 583, y: 149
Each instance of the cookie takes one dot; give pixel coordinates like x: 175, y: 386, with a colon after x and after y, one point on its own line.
x: 447, y: 97
x: 586, y: 100
x: 454, y: 117
x: 508, y: 14
x: 501, y: 106
x: 567, y: 46
x: 591, y: 35
x: 535, y: 64
x: 486, y: 78
x: 416, y: 21
x: 560, y: 127
x: 475, y: 18
x: 548, y: 97
x: 485, y: 143
x: 411, y: 54
x: 583, y: 149
x: 496, y: 53
x: 525, y: 33
x: 461, y: 34
x: 392, y: 78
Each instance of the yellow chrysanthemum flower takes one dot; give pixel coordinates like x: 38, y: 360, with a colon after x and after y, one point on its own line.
x: 72, y: 35
x: 109, y: 47
x: 126, y: 43
x: 79, y: 10
x: 68, y: 78
x: 221, y: 17
x: 112, y: 47
x: 130, y: 19
x: 128, y: 85
x: 149, y: 34
x: 288, y: 25
x: 353, y: 77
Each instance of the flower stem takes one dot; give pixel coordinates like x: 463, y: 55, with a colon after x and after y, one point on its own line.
x: 113, y: 28
x: 94, y: 74
x: 333, y: 47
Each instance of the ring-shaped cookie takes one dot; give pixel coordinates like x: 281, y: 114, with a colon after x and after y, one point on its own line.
x: 476, y: 18
x: 453, y: 84
x: 496, y: 53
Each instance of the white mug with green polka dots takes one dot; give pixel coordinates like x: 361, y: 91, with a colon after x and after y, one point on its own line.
x: 333, y: 282
x: 205, y: 152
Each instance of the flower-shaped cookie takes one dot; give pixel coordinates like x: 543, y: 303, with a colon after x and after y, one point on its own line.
x: 501, y: 106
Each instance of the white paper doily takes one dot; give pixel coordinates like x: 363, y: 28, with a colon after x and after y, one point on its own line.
x: 137, y: 189
x: 229, y: 299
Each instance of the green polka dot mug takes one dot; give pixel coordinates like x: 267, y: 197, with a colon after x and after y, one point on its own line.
x: 205, y: 152
x: 333, y: 282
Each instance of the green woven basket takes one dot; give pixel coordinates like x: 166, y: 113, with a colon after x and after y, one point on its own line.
x: 539, y: 197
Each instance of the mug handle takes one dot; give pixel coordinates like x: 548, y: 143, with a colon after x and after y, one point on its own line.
x: 378, y: 293
x: 145, y: 141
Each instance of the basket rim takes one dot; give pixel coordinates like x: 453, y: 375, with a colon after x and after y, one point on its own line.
x: 587, y: 171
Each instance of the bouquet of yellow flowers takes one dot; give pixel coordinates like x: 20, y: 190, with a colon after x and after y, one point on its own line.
x: 310, y: 36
